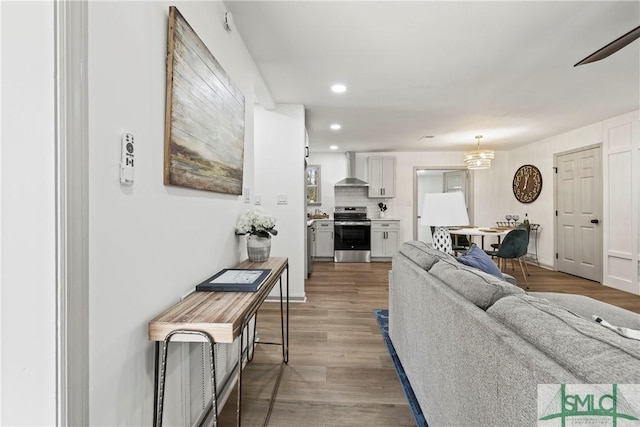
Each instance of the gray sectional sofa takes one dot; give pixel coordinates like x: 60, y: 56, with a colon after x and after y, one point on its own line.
x: 475, y: 348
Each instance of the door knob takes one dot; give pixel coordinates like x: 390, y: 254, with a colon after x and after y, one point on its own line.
x: 595, y: 221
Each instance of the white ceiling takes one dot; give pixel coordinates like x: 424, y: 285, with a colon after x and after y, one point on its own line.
x: 449, y: 69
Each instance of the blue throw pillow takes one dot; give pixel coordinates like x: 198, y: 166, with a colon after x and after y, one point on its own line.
x: 477, y: 258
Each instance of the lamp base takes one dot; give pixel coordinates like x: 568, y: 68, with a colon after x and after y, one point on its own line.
x: 442, y: 240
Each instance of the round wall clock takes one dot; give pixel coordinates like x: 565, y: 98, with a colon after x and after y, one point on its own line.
x: 527, y: 183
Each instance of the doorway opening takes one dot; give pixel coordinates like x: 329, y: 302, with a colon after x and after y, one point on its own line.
x: 438, y: 180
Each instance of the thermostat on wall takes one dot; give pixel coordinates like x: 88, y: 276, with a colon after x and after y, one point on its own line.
x: 126, y: 159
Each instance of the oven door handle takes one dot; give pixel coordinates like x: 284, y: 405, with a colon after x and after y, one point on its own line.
x: 362, y: 223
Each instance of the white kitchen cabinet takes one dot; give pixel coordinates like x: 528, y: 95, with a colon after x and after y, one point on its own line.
x: 324, y: 239
x: 384, y: 239
x: 382, y: 176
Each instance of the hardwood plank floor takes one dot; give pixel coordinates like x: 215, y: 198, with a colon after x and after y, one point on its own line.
x: 340, y: 372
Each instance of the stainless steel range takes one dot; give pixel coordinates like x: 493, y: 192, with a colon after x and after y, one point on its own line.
x: 352, y: 234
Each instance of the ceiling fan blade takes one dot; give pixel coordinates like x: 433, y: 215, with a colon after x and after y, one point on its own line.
x: 612, y: 47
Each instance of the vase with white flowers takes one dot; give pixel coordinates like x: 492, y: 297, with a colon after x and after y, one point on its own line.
x: 259, y: 226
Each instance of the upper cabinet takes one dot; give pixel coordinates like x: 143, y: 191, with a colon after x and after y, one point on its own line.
x: 313, y: 185
x: 382, y: 176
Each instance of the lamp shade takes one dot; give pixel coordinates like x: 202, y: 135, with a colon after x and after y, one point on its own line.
x: 444, y: 210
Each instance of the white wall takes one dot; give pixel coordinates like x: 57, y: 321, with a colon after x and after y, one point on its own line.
x: 541, y: 154
x: 621, y: 217
x: 621, y: 251
x: 279, y: 168
x: 334, y: 168
x: 149, y: 243
x: 27, y: 196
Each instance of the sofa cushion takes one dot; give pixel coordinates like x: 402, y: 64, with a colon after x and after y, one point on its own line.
x: 585, y: 348
x: 509, y: 278
x: 480, y: 288
x: 586, y: 308
x: 477, y: 258
x: 423, y: 254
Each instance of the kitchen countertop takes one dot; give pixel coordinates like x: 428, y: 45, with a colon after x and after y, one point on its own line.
x: 311, y: 221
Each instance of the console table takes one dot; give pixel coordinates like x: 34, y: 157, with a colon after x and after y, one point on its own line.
x: 217, y: 317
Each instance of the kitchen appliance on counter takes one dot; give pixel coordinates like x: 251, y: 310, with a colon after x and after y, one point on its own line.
x: 352, y: 234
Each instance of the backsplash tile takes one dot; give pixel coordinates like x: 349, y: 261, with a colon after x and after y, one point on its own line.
x: 353, y: 196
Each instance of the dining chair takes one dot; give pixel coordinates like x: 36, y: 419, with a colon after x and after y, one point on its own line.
x: 514, y: 247
x: 461, y: 243
x: 524, y: 226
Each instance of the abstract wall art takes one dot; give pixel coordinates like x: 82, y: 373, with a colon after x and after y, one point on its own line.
x: 205, y: 116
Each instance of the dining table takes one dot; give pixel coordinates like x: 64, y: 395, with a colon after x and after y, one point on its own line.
x: 471, y: 232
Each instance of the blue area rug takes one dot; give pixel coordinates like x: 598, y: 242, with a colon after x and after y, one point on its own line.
x: 382, y: 316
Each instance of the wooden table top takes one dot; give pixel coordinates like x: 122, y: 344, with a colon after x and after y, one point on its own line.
x: 480, y: 231
x: 220, y: 314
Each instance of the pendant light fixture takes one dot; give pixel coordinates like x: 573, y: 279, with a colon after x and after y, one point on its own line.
x: 478, y: 159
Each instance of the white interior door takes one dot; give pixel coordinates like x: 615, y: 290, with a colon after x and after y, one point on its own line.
x: 579, y: 211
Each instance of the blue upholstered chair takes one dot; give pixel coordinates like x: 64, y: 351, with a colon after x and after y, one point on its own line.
x: 514, y: 247
x: 524, y: 226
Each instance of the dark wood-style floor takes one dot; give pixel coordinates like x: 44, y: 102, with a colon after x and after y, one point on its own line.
x: 339, y: 371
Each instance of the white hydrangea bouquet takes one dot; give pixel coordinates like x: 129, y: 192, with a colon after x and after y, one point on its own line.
x: 257, y: 222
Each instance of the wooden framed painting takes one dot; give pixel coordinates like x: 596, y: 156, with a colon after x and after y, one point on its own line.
x: 204, y: 123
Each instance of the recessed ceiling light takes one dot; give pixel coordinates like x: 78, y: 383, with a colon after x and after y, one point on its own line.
x: 338, y: 88
x: 335, y: 126
x: 333, y: 147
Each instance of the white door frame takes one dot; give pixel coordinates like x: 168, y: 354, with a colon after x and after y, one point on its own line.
x: 443, y: 169
x: 555, y: 201
x: 72, y: 205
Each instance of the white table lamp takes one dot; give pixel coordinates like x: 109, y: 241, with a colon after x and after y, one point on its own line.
x: 443, y: 210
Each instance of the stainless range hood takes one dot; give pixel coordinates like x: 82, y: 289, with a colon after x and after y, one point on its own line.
x: 351, y: 180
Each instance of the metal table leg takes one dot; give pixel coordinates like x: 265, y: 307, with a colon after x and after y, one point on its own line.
x: 239, y: 384
x: 156, y: 380
x: 535, y: 228
x: 284, y: 330
x: 160, y: 377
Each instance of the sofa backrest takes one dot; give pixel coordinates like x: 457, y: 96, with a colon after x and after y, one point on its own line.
x: 423, y: 254
x: 585, y: 348
x: 480, y: 288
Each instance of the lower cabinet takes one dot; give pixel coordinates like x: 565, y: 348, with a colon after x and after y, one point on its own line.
x: 384, y: 239
x: 324, y: 239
